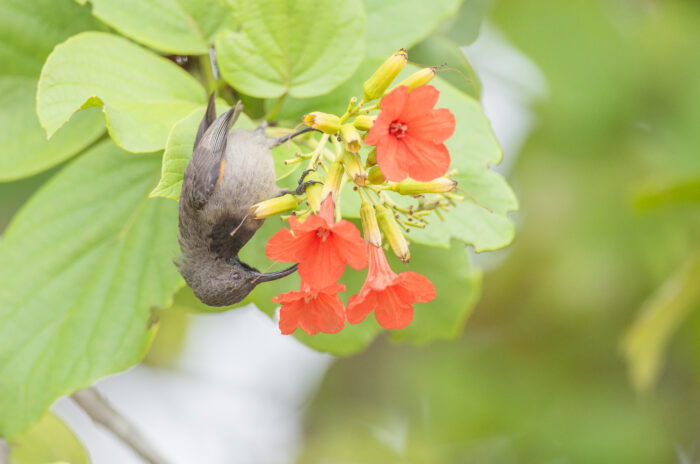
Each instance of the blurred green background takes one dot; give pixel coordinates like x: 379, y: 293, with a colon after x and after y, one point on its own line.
x: 584, y: 346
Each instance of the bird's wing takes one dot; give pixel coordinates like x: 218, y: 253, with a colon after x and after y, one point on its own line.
x: 206, y: 168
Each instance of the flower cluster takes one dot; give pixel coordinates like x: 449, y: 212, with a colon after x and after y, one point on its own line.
x: 400, y: 151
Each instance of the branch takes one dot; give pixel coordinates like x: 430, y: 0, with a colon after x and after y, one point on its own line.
x: 100, y: 411
x: 4, y: 451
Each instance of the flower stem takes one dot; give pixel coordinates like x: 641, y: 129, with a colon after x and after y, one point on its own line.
x: 272, y: 114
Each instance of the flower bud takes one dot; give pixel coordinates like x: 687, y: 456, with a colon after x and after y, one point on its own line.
x: 327, y: 123
x: 419, y: 78
x: 375, y: 86
x: 353, y: 168
x: 274, y: 206
x: 412, y: 187
x: 375, y: 176
x: 393, y: 233
x: 364, y: 122
x: 333, y: 180
x: 314, y: 191
x: 370, y: 228
x: 371, y: 158
x: 351, y: 138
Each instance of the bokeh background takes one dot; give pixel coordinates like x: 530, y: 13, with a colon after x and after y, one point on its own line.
x: 584, y: 346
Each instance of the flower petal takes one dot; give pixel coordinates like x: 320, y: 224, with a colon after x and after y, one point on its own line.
x: 322, y: 265
x: 379, y: 129
x: 436, y: 126
x: 313, y: 222
x: 419, y: 103
x: 426, y: 160
x: 392, y: 159
x: 330, y: 316
x: 359, y: 306
x: 394, y: 103
x: 349, y: 244
x: 419, y: 286
x: 283, y: 246
x: 289, y: 316
x: 391, y: 312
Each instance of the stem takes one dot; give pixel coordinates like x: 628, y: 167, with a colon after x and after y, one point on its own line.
x: 276, y: 108
x: 100, y: 411
x: 4, y: 451
x: 209, y: 79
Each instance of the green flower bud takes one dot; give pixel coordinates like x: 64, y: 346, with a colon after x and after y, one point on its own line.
x: 382, y: 78
x: 393, y: 233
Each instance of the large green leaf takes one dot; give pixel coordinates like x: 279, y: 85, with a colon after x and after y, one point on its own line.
x: 28, y: 33
x: 83, y: 263
x: 143, y: 94
x: 47, y: 441
x: 296, y: 47
x: 184, y: 27
x: 24, y: 149
x: 30, y: 29
x: 394, y: 24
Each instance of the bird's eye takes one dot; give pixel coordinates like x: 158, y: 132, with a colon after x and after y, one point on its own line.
x: 235, y: 275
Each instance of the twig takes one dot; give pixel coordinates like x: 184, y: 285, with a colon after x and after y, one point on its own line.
x: 4, y: 451
x: 100, y: 411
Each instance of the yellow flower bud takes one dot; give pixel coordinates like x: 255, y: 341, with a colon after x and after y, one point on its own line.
x: 393, y: 233
x: 314, y: 191
x: 371, y: 158
x: 274, y: 206
x: 351, y: 138
x: 382, y: 78
x: 353, y: 168
x: 327, y: 123
x: 412, y: 187
x: 370, y: 228
x: 364, y: 122
x: 375, y: 176
x: 419, y: 78
x: 333, y: 180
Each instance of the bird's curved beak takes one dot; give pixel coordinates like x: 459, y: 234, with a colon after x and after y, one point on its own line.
x: 268, y: 277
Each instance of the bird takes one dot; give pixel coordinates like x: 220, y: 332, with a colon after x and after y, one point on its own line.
x: 229, y: 172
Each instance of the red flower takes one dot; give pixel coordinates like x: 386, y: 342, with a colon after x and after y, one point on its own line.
x: 390, y: 295
x: 321, y: 246
x: 312, y: 310
x: 409, y: 135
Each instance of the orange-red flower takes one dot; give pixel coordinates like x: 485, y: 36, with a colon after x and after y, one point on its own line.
x: 321, y: 246
x: 391, y: 296
x: 409, y: 135
x: 312, y: 310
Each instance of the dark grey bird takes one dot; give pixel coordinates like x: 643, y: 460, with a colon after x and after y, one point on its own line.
x: 229, y: 172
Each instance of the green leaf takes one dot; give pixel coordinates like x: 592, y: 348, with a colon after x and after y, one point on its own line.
x: 30, y: 29
x: 185, y: 27
x: 458, y: 289
x: 297, y: 47
x: 394, y: 24
x: 28, y: 33
x: 48, y: 441
x: 24, y: 149
x: 143, y: 94
x: 83, y: 263
x: 644, y: 344
x: 464, y: 27
x: 438, y: 50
